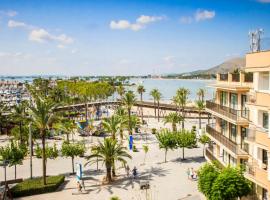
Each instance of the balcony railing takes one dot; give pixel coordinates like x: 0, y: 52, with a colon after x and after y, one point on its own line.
x: 209, y: 154
x: 228, y: 112
x: 236, y: 77
x: 222, y: 139
x: 223, y: 77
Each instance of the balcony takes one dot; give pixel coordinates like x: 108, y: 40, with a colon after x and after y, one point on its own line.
x: 232, y: 146
x: 210, y: 156
x: 235, y: 77
x: 256, y: 174
x: 234, y: 81
x: 238, y: 116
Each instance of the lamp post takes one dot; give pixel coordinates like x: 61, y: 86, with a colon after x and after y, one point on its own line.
x: 30, y: 150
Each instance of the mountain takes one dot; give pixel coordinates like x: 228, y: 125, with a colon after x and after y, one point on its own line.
x: 225, y: 67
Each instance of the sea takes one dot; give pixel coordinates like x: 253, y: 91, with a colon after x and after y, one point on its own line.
x: 167, y: 87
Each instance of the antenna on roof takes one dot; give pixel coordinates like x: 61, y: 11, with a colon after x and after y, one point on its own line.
x: 255, y: 40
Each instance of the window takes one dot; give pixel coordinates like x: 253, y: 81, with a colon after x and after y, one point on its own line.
x: 265, y: 120
x: 233, y: 101
x: 264, y: 157
x: 233, y: 132
x: 223, y: 125
x: 223, y: 98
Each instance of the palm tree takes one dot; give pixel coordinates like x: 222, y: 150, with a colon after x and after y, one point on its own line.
x: 201, y: 94
x: 156, y: 96
x: 120, y: 90
x: 18, y: 116
x: 141, y: 90
x: 181, y: 100
x: 109, y: 151
x: 173, y: 118
x: 65, y: 126
x: 43, y: 116
x: 112, y: 125
x: 128, y: 101
x: 3, y: 116
x: 122, y: 115
x: 200, y: 107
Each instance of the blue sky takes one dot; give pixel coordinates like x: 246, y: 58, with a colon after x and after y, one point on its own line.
x: 120, y: 37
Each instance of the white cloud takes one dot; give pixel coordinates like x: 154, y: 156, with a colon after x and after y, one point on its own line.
x: 42, y: 36
x: 199, y: 15
x: 61, y: 46
x: 204, y: 15
x: 141, y: 23
x: 16, y: 24
x: 9, y: 13
x: 144, y: 19
x: 15, y: 55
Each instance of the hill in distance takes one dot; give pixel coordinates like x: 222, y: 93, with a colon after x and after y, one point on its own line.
x: 225, y: 67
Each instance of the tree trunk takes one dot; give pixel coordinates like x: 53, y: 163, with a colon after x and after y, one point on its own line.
x: 129, y: 122
x: 43, y: 157
x: 183, y: 153
x: 158, y: 110
x: 72, y: 162
x: 155, y: 109
x: 166, y: 155
x: 203, y: 149
x: 108, y: 174
x: 113, y: 170
x: 15, y: 170
x: 21, y: 139
x: 200, y: 121
x: 86, y: 111
x: 141, y: 110
x: 68, y: 137
x: 174, y: 127
x: 183, y: 124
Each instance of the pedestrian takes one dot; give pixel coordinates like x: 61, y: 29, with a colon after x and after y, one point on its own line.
x: 127, y: 170
x: 134, y: 172
x: 79, y: 186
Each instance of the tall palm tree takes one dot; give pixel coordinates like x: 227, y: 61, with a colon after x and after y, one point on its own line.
x: 201, y: 94
x: 120, y: 90
x: 174, y: 118
x: 65, y: 126
x: 128, y: 101
x: 200, y: 107
x: 18, y: 116
x: 141, y: 90
x: 122, y: 115
x: 181, y: 99
x: 156, y: 96
x: 108, y: 152
x: 112, y: 125
x: 43, y: 116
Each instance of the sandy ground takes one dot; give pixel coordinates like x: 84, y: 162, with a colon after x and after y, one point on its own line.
x: 167, y: 180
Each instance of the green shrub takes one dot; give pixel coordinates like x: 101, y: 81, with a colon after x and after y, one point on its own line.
x: 35, y: 186
x: 154, y: 130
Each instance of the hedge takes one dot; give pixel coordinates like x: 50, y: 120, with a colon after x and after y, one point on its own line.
x: 35, y: 186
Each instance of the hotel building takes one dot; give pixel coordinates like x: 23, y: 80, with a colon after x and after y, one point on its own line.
x: 239, y: 131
